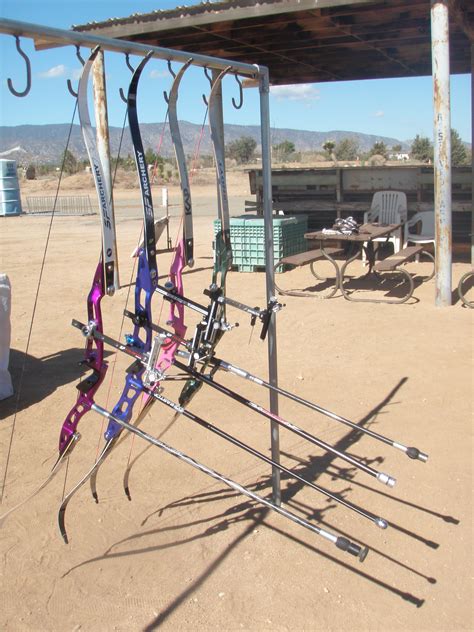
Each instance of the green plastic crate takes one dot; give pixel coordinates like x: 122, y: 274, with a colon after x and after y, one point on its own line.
x: 247, y: 237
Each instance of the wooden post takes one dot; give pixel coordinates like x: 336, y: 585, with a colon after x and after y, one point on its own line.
x: 442, y: 151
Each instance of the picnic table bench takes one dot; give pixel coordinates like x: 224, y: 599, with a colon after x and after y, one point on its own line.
x: 310, y: 257
x: 393, y: 263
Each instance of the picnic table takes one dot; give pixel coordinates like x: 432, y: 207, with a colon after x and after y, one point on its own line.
x: 363, y: 240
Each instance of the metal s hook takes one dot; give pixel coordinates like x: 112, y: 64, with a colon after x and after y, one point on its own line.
x: 241, y: 94
x: 69, y: 84
x: 165, y: 94
x: 132, y: 70
x: 171, y: 69
x: 127, y: 61
x: 28, y: 73
x: 209, y: 78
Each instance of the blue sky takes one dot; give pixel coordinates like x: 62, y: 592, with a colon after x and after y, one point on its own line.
x: 398, y: 108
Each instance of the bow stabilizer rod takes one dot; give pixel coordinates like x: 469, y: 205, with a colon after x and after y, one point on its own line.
x: 411, y: 452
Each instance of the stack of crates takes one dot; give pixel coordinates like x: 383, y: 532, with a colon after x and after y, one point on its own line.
x: 247, y: 236
x: 10, y: 198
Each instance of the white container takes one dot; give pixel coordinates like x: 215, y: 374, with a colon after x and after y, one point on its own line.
x: 10, y: 198
x: 6, y: 387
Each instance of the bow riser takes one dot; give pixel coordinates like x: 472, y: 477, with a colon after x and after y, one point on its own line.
x: 93, y: 359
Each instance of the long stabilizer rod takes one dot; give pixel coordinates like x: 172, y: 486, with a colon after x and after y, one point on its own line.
x: 341, y: 543
x: 380, y: 476
x: 413, y: 453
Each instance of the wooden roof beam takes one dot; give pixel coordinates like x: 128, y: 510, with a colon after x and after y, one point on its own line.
x: 388, y: 57
x: 463, y: 18
x: 260, y: 50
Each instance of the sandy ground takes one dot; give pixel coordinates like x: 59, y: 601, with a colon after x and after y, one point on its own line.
x: 187, y: 553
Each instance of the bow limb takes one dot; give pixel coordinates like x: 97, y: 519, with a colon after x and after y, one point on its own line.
x: 188, y: 241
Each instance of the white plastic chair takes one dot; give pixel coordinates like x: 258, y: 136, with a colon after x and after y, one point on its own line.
x: 426, y: 232
x: 388, y: 207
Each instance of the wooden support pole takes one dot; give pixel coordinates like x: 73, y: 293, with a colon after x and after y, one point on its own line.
x: 442, y: 151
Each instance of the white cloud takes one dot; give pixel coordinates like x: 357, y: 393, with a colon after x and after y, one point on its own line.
x: 379, y: 114
x: 52, y: 73
x: 158, y: 74
x: 298, y: 92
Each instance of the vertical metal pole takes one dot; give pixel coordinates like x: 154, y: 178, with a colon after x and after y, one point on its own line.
x: 270, y: 274
x: 103, y: 139
x: 442, y: 150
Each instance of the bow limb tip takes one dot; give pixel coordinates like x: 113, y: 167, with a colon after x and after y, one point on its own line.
x: 62, y: 524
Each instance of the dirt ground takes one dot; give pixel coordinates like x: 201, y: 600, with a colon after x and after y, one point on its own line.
x: 188, y: 553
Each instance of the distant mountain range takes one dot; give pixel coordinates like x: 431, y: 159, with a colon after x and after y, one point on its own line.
x: 46, y: 143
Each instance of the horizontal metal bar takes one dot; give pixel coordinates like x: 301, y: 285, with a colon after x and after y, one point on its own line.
x: 177, y: 298
x: 45, y: 36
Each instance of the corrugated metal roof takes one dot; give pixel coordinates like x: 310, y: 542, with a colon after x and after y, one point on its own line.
x: 305, y: 41
x: 211, y: 8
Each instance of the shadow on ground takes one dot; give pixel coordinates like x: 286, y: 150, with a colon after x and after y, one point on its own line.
x: 34, y: 379
x: 246, y: 512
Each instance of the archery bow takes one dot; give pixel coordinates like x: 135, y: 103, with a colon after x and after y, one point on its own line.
x: 210, y: 330
x: 184, y: 255
x: 184, y: 251
x: 147, y: 276
x: 105, y: 278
